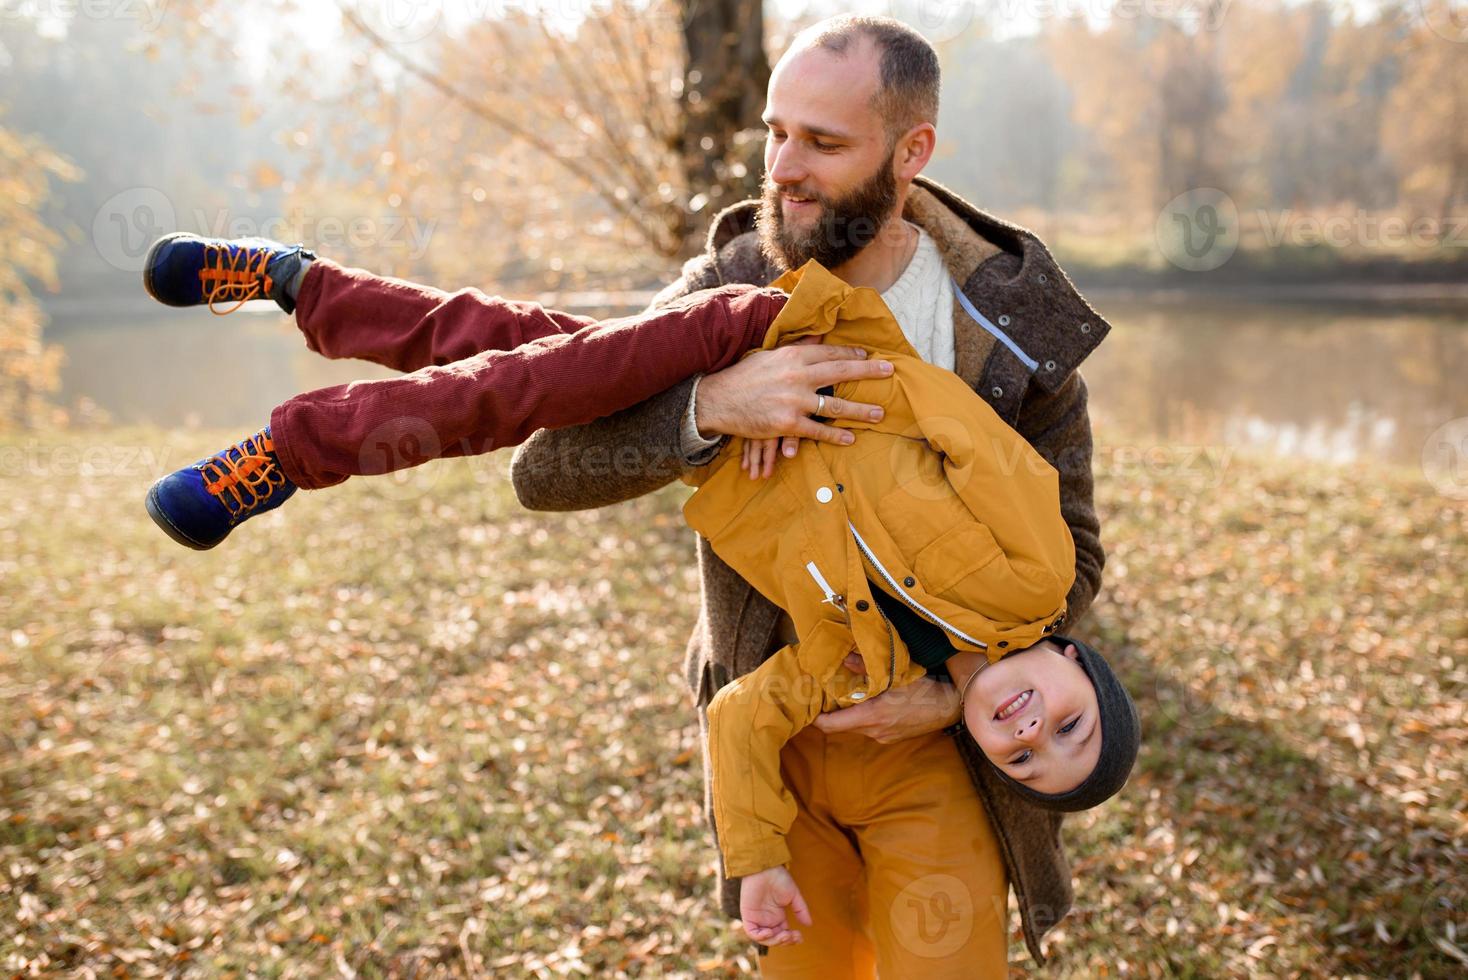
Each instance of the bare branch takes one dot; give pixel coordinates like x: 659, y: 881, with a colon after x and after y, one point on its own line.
x: 570, y: 163
x: 636, y: 171
x: 657, y: 116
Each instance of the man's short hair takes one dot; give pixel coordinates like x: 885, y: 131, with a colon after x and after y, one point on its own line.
x: 908, y: 90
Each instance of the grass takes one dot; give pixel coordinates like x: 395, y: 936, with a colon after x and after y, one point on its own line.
x: 403, y: 728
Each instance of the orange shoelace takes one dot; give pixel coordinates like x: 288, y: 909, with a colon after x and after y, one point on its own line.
x: 244, y: 475
x: 234, y: 274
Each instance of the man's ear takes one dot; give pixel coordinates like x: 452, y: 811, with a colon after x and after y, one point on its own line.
x: 913, y: 151
x: 1072, y: 652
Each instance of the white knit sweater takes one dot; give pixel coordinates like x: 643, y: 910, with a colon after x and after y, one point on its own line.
x: 922, y: 302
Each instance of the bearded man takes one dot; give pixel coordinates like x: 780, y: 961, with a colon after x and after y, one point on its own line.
x: 905, y: 845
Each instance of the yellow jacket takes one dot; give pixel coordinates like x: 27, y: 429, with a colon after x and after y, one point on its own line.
x: 941, y: 502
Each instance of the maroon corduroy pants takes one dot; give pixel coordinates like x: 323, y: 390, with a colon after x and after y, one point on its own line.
x: 485, y: 372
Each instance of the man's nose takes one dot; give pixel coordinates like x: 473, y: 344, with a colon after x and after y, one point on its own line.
x: 785, y: 166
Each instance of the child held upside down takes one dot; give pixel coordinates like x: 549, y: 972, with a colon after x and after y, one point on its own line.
x: 930, y: 542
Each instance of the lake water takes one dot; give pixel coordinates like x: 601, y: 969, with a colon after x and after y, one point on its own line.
x: 1342, y: 382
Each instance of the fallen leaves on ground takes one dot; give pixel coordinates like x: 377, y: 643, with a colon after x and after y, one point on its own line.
x: 404, y: 727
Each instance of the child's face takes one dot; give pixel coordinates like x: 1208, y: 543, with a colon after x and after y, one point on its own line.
x: 1034, y: 716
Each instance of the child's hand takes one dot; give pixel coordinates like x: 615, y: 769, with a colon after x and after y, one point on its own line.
x: 760, y: 455
x: 763, y: 898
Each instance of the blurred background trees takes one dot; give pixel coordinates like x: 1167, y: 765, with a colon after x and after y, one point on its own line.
x: 545, y: 148
x: 28, y: 247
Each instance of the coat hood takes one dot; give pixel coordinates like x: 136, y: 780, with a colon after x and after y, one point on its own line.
x: 1004, y: 269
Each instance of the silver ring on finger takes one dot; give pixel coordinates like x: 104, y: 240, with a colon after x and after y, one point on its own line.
x: 820, y: 404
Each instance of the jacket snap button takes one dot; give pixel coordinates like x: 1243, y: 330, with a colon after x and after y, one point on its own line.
x: 840, y: 488
x: 909, y: 581
x: 1050, y: 365
x: 997, y: 391
x: 862, y: 605
x: 1085, y: 328
x: 1043, y: 280
x: 857, y: 695
x: 824, y: 495
x: 1003, y: 644
x: 1004, y: 319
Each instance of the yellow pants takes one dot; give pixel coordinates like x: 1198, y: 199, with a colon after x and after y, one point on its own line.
x: 895, y: 855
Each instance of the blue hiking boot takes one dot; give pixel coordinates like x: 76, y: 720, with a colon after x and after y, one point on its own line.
x: 199, y: 505
x: 187, y: 270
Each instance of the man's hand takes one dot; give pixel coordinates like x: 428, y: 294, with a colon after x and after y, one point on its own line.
x: 763, y: 898
x: 905, y: 712
x: 773, y: 393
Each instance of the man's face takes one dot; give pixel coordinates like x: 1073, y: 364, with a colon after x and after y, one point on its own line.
x: 1035, y: 717
x: 829, y: 182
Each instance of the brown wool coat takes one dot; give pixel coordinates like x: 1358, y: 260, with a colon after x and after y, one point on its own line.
x: 1010, y: 277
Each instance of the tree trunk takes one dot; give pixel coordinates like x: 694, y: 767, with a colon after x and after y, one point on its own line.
x: 724, y: 81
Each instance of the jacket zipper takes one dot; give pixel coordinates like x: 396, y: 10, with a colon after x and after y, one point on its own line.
x: 840, y: 603
x: 831, y: 595
x: 911, y: 602
x: 891, y: 647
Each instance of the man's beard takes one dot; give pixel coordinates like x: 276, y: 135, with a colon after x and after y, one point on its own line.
x: 846, y: 224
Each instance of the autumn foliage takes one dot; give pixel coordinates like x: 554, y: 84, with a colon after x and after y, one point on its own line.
x: 28, y: 248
